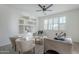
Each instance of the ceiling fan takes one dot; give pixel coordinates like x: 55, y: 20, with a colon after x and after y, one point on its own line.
x: 44, y: 7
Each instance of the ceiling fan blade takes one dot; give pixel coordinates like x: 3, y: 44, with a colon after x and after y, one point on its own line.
x: 38, y: 10
x: 49, y: 6
x: 40, y: 6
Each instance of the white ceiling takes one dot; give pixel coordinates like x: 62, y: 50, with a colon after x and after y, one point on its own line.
x: 31, y: 8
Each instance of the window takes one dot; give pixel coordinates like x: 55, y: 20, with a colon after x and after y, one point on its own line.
x: 56, y: 23
x: 62, y: 21
x: 50, y: 25
x: 55, y: 27
x: 45, y: 24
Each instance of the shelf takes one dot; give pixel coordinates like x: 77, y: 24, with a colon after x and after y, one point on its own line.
x: 25, y: 17
x: 26, y: 23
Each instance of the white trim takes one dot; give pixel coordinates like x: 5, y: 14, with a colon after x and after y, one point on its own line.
x: 4, y: 43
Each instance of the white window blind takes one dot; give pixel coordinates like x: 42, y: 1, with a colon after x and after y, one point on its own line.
x: 45, y: 24
x: 56, y: 23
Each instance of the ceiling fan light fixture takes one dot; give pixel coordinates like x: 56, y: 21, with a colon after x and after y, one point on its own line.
x: 44, y: 8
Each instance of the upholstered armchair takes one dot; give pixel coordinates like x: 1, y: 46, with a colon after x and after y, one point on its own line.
x: 23, y: 46
x: 13, y: 43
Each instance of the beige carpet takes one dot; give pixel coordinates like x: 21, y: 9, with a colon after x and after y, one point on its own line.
x: 39, y: 49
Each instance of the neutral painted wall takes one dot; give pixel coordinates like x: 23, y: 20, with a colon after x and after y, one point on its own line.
x: 9, y: 23
x: 72, y: 25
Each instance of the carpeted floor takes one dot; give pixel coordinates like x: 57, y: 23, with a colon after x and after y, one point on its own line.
x: 8, y: 50
x: 39, y: 49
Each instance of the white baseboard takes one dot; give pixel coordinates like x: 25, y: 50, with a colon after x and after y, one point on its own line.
x: 3, y: 44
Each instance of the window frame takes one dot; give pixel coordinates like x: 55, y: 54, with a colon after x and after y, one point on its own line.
x: 50, y: 25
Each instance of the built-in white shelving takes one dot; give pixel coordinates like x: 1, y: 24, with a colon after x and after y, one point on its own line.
x: 27, y: 24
